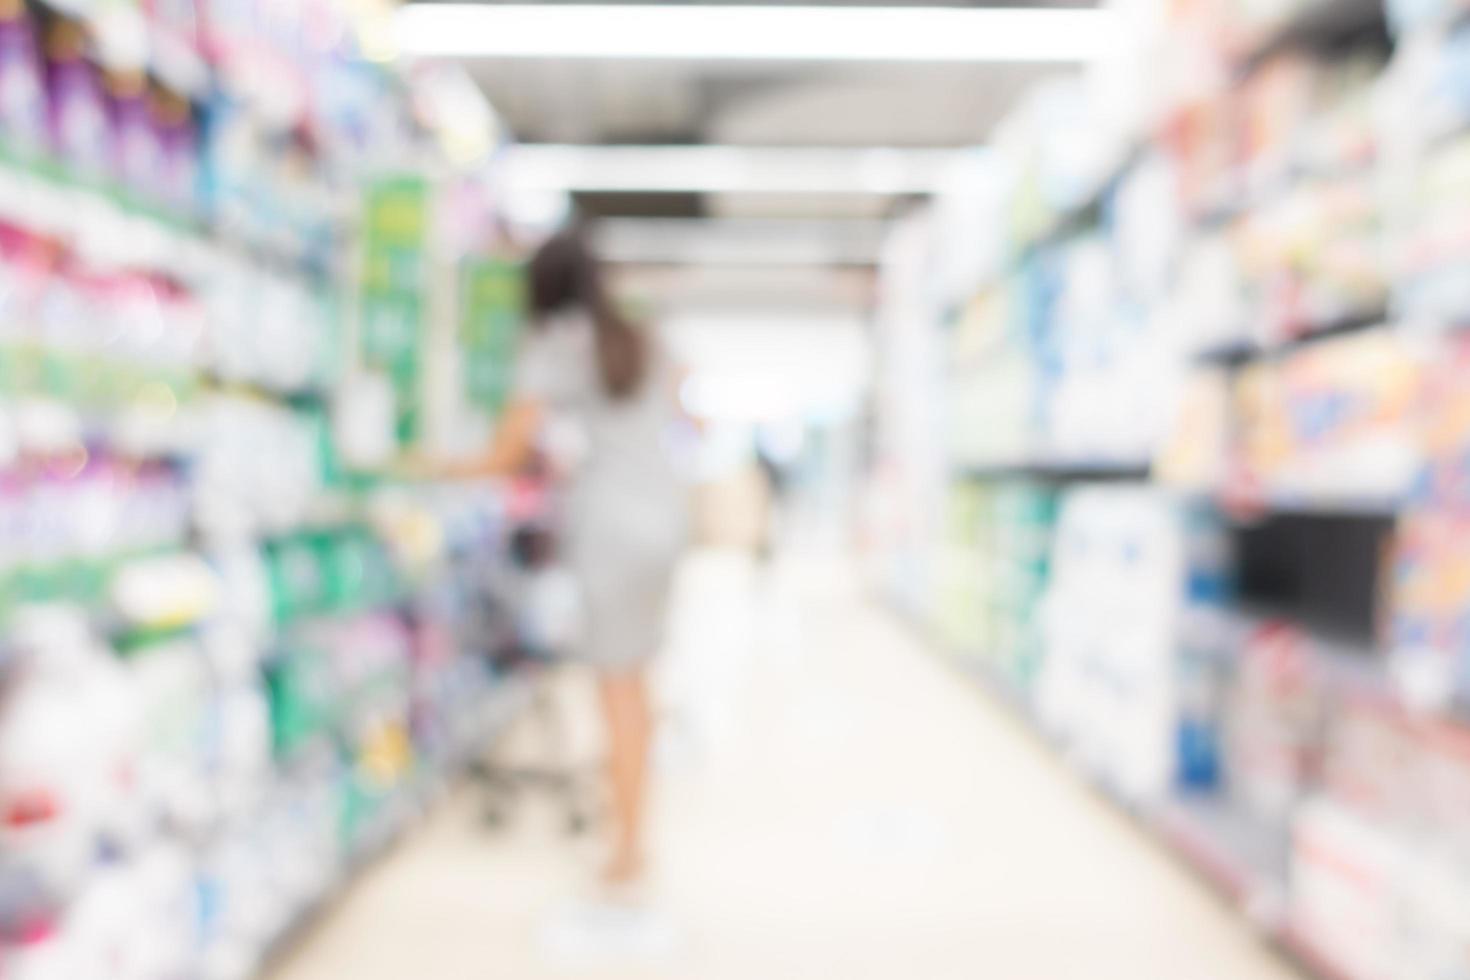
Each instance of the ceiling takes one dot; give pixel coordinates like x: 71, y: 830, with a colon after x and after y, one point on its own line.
x: 590, y: 101
x: 581, y: 101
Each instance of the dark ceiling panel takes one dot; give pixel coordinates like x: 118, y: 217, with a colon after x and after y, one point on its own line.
x: 603, y: 205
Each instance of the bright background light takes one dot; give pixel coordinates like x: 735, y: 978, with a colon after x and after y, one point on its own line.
x: 771, y: 367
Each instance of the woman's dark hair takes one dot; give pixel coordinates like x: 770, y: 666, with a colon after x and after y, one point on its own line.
x: 565, y: 275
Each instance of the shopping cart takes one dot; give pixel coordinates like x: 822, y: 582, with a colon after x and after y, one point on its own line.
x: 538, y: 599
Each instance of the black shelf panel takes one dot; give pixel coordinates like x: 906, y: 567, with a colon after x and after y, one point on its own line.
x: 1322, y: 571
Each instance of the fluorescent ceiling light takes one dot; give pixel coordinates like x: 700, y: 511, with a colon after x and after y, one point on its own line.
x: 763, y: 33
x: 739, y: 242
x: 728, y: 169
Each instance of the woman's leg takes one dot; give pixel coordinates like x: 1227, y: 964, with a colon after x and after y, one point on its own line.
x: 629, y: 730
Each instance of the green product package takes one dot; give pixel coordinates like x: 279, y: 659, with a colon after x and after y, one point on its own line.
x: 404, y: 375
x: 380, y: 583
x: 297, y: 577
x: 392, y: 324
x: 396, y: 213
x: 299, y: 687
x: 328, y: 303
x: 492, y: 306
x: 394, y: 285
x: 348, y: 557
x: 331, y: 470
x: 338, y: 571
x: 360, y: 804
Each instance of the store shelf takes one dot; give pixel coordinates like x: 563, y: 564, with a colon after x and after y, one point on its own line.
x: 1243, y: 512
x: 1369, y: 318
x: 310, y: 395
x: 1229, y: 354
x: 1235, y: 854
x: 1280, y: 212
x: 1080, y: 471
x: 502, y: 706
x: 113, y: 226
x: 1229, y: 849
x: 1087, y: 212
x: 192, y: 254
x: 1306, y: 952
x: 1249, y: 868
x: 1002, y: 688
x: 1240, y: 353
x: 1381, y: 507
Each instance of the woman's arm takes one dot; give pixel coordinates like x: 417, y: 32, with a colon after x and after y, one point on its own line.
x: 509, y: 452
x: 679, y: 375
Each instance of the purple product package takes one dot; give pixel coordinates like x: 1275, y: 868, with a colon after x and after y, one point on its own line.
x: 136, y: 146
x: 22, y: 94
x: 78, y: 112
x: 177, y: 175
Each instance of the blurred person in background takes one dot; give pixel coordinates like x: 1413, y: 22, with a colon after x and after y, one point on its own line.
x: 599, y: 396
x: 777, y: 490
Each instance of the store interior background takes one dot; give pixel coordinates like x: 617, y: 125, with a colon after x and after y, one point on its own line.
x: 1114, y: 619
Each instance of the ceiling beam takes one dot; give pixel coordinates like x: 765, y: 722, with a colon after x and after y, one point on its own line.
x: 755, y: 33
x: 729, y: 169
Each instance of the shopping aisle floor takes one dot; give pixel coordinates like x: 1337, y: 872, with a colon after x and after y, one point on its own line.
x: 832, y: 801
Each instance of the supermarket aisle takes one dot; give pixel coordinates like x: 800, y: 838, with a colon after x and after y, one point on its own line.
x: 833, y: 802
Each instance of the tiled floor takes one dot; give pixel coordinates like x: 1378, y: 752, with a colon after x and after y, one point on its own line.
x: 831, y: 802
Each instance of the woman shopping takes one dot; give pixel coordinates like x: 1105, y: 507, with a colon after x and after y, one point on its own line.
x: 599, y: 394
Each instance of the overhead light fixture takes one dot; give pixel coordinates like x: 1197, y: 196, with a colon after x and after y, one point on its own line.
x: 740, y: 242
x: 728, y: 169
x: 755, y: 33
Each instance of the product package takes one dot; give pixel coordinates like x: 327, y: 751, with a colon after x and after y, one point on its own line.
x: 1334, y: 420
x: 1111, y: 616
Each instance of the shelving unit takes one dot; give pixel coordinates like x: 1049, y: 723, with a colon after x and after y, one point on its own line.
x: 506, y: 703
x: 1246, y: 866
x: 236, y: 658
x: 1270, y: 584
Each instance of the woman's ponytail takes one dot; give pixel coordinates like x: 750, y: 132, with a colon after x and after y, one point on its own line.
x: 564, y: 275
